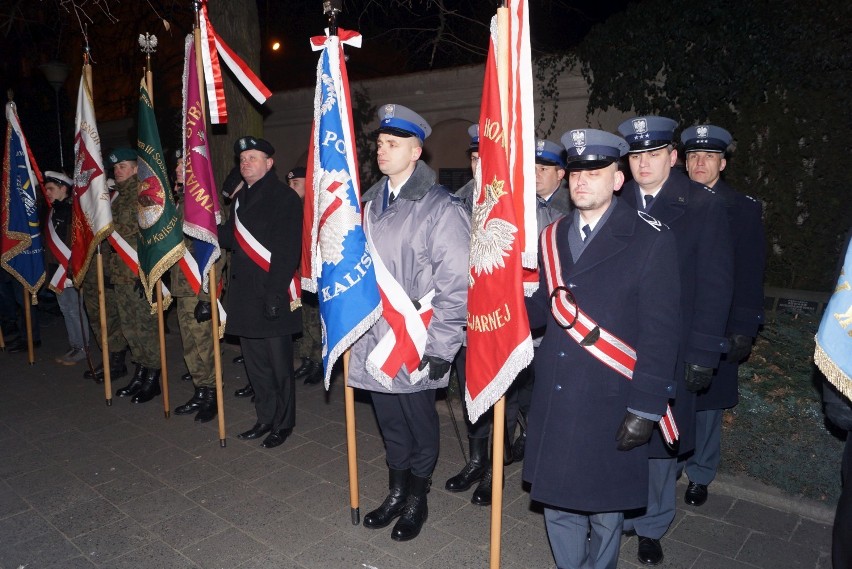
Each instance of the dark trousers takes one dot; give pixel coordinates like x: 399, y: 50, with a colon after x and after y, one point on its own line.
x: 841, y: 543
x: 482, y: 428
x: 409, y: 425
x: 269, y: 366
x: 518, y: 399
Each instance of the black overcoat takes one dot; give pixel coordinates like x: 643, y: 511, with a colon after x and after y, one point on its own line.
x: 272, y: 213
x: 697, y: 217
x: 627, y: 281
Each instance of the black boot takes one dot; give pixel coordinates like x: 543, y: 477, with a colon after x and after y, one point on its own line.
x: 117, y: 368
x: 314, y: 374
x: 473, y: 470
x: 482, y: 494
x: 193, y: 404
x: 150, y: 387
x: 135, y: 383
x: 208, y: 408
x: 519, y: 447
x: 414, y: 513
x: 394, y: 502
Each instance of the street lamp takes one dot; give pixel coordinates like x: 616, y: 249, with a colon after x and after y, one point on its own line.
x: 56, y: 73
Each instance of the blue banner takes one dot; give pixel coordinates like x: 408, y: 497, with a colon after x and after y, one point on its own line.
x: 833, y: 353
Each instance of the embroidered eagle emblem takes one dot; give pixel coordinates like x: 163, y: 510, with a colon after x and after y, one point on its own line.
x: 492, y: 238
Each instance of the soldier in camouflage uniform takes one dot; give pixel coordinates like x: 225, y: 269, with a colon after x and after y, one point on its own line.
x: 138, y: 325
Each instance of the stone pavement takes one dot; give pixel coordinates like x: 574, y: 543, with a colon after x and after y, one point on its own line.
x: 87, y: 485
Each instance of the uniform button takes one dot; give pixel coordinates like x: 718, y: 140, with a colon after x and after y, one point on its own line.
x: 557, y: 387
x: 561, y: 354
x: 669, y: 388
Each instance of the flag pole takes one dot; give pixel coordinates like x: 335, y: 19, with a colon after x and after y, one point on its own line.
x: 499, y: 418
x: 27, y: 297
x: 212, y: 283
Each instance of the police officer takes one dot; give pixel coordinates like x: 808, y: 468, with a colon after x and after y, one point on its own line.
x: 194, y: 313
x: 309, y: 344
x: 589, y: 424
x: 697, y: 218
x: 421, y: 234
x: 705, y: 147
x: 552, y: 203
x: 265, y: 225
x: 138, y: 325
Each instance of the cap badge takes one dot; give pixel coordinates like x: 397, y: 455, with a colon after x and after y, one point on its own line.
x: 389, y: 111
x: 640, y: 126
x: 579, y: 137
x: 243, y: 144
x: 539, y: 145
x: 702, y: 131
x: 113, y: 158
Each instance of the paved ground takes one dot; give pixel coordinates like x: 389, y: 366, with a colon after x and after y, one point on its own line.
x: 87, y: 485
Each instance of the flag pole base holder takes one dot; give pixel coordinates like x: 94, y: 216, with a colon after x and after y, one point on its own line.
x: 223, y: 442
x: 109, y: 402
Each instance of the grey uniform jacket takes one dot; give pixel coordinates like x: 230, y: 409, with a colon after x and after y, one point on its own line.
x: 423, y: 238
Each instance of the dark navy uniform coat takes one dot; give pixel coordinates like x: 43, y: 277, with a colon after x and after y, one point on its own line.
x: 698, y: 219
x: 745, y: 217
x: 627, y: 281
x: 272, y: 213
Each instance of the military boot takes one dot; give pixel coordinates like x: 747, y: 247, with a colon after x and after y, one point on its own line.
x: 135, y: 382
x: 208, y: 409
x: 193, y: 404
x: 117, y: 368
x: 474, y: 470
x: 394, y: 502
x: 415, y: 512
x: 150, y: 387
x: 482, y: 494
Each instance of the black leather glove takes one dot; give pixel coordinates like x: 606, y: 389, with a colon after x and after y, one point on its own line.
x: 634, y: 431
x: 740, y: 347
x: 137, y: 286
x: 272, y: 308
x: 698, y: 377
x: 203, y: 312
x: 438, y: 368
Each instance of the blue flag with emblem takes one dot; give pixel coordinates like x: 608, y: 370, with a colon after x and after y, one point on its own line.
x: 833, y: 353
x: 336, y: 263
x: 22, y: 248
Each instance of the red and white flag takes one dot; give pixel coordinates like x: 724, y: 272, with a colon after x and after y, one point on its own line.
x: 499, y: 344
x: 92, y: 214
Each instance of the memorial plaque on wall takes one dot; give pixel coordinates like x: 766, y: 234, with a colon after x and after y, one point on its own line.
x: 796, y: 305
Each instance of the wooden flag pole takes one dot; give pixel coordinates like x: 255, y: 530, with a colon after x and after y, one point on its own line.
x: 99, y: 263
x: 217, y: 355
x: 351, y: 445
x: 27, y: 297
x: 500, y: 407
x: 164, y: 371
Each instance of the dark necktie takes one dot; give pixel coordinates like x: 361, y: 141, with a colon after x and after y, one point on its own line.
x: 586, y: 232
x: 648, y: 200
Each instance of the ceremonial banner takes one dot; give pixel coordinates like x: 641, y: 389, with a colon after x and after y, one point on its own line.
x: 21, y: 252
x: 201, y: 212
x: 833, y: 353
x: 499, y: 345
x: 92, y: 211
x: 160, y: 242
x: 336, y: 262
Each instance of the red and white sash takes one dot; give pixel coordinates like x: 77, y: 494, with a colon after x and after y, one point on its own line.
x: 606, y: 347
x: 263, y: 258
x: 405, y: 341
x: 130, y: 258
x: 189, y: 268
x: 63, y: 255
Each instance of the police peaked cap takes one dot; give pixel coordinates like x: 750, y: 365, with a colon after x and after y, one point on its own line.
x: 252, y: 143
x: 123, y: 154
x: 473, y: 133
x: 591, y: 149
x: 402, y: 121
x: 549, y: 153
x: 58, y: 178
x: 647, y: 133
x: 705, y: 138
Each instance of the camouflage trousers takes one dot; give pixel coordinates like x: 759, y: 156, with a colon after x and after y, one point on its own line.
x: 197, y: 341
x: 309, y: 344
x: 115, y: 337
x: 139, y: 326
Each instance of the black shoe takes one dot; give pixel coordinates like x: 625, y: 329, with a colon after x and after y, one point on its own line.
x: 650, y: 551
x: 303, y: 369
x: 135, y: 384
x: 239, y: 359
x: 117, y: 368
x: 255, y: 432
x: 415, y: 512
x: 474, y: 470
x: 696, y: 494
x: 186, y: 377
x: 209, y: 407
x: 247, y: 391
x: 482, y: 494
x: 193, y: 404
x: 315, y: 374
x: 519, y: 446
x: 391, y: 508
x: 150, y: 387
x: 276, y: 438
x: 20, y: 346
